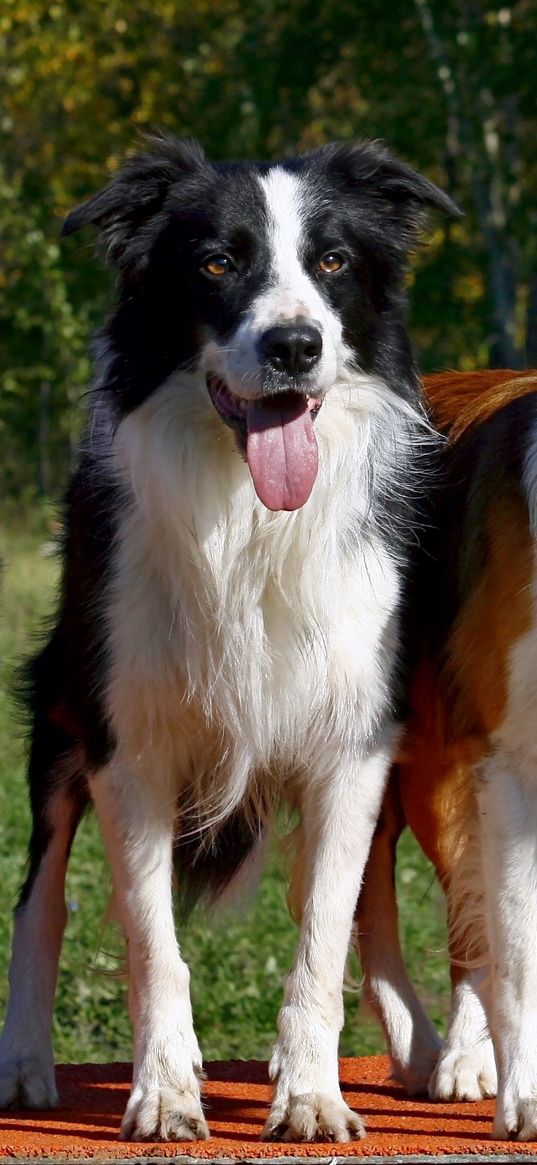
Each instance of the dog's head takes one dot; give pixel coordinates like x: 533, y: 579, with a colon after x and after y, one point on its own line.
x: 272, y: 281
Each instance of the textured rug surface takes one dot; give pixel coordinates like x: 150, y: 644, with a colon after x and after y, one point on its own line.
x: 236, y: 1097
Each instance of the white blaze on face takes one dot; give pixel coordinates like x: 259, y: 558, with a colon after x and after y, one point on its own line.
x: 281, y: 448
x: 293, y: 293
x: 290, y: 295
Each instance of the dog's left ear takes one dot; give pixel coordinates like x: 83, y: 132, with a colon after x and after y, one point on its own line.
x: 372, y: 169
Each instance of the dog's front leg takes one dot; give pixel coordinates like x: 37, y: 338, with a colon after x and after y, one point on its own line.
x: 339, y: 813
x: 137, y: 819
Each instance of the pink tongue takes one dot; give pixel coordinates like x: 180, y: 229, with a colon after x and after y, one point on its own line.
x: 281, y: 450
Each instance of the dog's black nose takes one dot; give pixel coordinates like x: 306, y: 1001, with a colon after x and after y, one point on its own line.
x: 294, y: 349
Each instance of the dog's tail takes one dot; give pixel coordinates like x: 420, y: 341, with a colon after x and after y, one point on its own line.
x: 210, y: 865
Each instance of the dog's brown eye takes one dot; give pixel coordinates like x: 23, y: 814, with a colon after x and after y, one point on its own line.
x: 331, y: 262
x: 217, y: 265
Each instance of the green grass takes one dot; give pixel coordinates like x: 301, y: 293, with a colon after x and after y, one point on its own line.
x: 238, y: 962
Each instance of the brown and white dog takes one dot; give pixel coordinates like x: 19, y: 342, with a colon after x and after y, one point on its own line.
x: 467, y: 780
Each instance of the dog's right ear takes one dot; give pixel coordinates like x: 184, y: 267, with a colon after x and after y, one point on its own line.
x: 136, y: 193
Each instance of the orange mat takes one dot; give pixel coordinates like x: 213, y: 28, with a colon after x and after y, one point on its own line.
x: 237, y: 1095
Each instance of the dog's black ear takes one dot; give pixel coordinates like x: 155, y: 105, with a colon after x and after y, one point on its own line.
x: 372, y: 169
x: 137, y: 191
x: 401, y: 185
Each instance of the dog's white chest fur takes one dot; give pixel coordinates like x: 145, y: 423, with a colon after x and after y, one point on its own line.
x: 244, y: 640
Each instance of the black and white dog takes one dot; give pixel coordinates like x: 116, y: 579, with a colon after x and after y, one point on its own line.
x: 236, y: 558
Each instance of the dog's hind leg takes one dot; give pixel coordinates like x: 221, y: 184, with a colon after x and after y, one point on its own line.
x: 58, y: 797
x: 443, y: 818
x: 436, y: 783
x: 412, y: 1041
x: 466, y: 1068
x: 137, y: 816
x: 508, y: 814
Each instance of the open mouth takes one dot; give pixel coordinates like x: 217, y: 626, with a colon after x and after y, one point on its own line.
x: 275, y: 435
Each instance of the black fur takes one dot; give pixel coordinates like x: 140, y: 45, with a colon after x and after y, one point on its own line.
x: 170, y: 207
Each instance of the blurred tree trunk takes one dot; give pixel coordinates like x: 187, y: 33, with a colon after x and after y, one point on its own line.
x: 475, y: 123
x: 531, y: 324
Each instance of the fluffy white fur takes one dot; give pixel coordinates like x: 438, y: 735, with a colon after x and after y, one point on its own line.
x: 265, y: 627
x: 250, y: 650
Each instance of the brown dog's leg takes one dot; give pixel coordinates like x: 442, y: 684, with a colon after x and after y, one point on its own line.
x: 412, y: 1040
x: 437, y: 792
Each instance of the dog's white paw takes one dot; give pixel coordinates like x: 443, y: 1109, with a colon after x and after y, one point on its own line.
x: 163, y: 1113
x: 516, y: 1115
x: 27, y: 1082
x: 312, y: 1117
x: 516, y: 1119
x: 465, y: 1073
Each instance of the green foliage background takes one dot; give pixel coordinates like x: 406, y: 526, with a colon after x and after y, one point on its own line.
x: 449, y: 84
